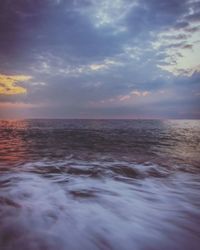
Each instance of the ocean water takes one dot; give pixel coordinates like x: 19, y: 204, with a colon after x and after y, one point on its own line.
x: 99, y: 184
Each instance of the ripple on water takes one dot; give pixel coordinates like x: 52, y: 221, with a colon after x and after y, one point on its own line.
x: 99, y: 185
x: 115, y: 204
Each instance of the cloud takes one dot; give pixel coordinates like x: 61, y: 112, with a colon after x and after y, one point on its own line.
x: 130, y: 97
x: 139, y: 93
x: 188, y: 46
x: 155, y: 15
x: 17, y: 105
x: 105, y: 65
x: 120, y: 54
x: 132, y: 94
x: 8, y: 84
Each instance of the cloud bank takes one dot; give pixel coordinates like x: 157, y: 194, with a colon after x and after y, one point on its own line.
x: 100, y: 59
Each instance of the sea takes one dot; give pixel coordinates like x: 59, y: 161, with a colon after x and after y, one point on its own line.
x: 99, y: 184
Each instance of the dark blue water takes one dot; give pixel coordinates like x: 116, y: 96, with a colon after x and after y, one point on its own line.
x: 96, y: 184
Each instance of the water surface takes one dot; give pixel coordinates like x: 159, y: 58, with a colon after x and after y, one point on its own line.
x: 96, y: 184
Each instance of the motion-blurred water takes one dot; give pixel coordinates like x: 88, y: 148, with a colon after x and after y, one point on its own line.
x: 95, y: 184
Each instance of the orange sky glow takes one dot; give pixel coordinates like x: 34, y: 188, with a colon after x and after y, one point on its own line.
x: 8, y: 84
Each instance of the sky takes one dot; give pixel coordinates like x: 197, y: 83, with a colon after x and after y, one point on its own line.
x: 107, y: 59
